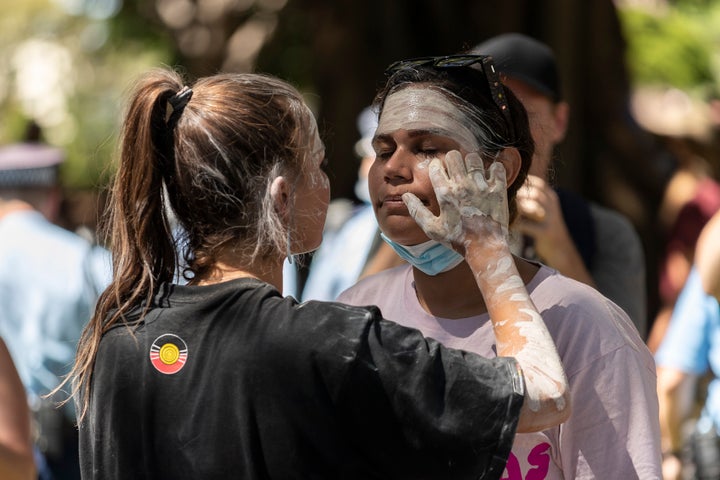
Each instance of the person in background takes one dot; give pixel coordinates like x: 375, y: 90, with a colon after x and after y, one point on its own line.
x: 580, y: 239
x: 16, y: 454
x: 687, y: 353
x: 49, y: 281
x: 354, y: 249
x: 429, y: 109
x: 691, y: 198
x: 223, y: 376
x: 686, y: 359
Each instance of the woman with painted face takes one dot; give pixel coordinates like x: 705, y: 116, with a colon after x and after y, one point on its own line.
x: 450, y: 109
x: 223, y: 377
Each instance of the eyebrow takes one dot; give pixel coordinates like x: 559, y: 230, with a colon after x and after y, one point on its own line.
x: 385, y: 137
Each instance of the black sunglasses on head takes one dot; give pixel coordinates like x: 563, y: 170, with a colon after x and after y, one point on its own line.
x: 459, y: 61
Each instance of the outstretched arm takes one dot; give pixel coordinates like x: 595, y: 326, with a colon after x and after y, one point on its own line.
x: 474, y: 220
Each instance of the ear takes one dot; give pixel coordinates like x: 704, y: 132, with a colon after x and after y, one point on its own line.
x: 511, y: 160
x: 280, y: 193
x: 561, y: 116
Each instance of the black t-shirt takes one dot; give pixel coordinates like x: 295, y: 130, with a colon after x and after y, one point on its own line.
x: 234, y: 381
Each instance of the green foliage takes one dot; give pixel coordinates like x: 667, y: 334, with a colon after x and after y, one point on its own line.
x: 675, y: 46
x: 95, y: 61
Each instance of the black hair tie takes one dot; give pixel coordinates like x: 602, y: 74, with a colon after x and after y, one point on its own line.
x: 176, y: 105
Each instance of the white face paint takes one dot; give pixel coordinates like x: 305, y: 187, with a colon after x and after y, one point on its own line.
x: 426, y: 109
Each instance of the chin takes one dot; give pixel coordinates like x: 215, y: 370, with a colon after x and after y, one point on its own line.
x: 403, y: 237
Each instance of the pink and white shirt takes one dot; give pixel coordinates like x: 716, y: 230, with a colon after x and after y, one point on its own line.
x: 613, y: 432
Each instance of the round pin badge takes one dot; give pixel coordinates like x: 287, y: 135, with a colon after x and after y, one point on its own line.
x: 168, y: 353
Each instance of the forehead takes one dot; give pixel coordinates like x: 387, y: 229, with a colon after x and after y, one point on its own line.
x: 427, y: 109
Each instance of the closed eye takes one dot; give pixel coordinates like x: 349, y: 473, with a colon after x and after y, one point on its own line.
x: 384, y: 153
x: 428, y: 152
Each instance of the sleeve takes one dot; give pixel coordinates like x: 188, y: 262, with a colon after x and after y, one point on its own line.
x: 614, y: 429
x: 423, y: 410
x: 686, y: 343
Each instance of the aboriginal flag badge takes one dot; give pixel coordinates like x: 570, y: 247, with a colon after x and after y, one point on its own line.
x: 168, y: 354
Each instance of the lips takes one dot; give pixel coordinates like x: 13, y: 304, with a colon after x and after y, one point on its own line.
x: 394, y: 205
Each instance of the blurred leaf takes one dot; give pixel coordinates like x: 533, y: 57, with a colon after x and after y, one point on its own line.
x: 104, y: 58
x: 675, y: 46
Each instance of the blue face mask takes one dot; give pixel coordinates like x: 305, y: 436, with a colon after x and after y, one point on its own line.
x: 430, y: 257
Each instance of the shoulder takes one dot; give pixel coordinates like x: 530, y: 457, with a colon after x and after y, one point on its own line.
x: 613, y: 224
x: 556, y: 292
x: 380, y: 285
x: 582, y: 321
x: 553, y: 288
x: 310, y: 322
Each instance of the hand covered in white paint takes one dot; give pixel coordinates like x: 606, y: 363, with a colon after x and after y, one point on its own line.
x: 471, y: 205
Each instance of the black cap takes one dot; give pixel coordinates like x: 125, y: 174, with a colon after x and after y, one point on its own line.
x: 525, y: 59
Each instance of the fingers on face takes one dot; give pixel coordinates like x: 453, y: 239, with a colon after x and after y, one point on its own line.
x: 497, y: 176
x: 419, y: 212
x: 438, y: 177
x: 475, y: 167
x: 455, y: 165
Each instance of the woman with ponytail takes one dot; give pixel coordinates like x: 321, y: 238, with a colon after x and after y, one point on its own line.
x: 221, y: 376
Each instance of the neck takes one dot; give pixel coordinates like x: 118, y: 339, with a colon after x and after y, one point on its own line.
x: 226, y: 270
x: 455, y: 294
x: 9, y: 206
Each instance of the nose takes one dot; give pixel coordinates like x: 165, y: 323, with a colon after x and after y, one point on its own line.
x: 398, y: 168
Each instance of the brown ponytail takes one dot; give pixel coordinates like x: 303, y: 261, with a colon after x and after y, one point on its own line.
x: 144, y: 253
